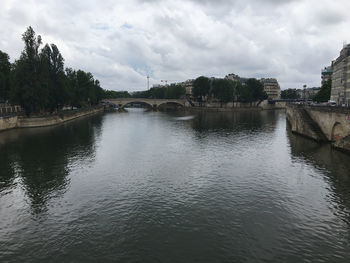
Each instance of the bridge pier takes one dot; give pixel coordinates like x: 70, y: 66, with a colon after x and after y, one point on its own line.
x: 327, y: 124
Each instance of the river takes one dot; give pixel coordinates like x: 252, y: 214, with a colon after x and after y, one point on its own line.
x: 172, y: 187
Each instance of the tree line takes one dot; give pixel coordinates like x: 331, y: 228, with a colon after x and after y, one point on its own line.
x: 39, y: 82
x: 226, y: 90
x: 204, y: 88
x: 323, y: 95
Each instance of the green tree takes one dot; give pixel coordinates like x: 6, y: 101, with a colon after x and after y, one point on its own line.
x: 28, y: 88
x: 5, y: 71
x: 158, y: 92
x: 111, y: 94
x: 201, y: 86
x: 52, y: 68
x: 325, y: 92
x: 290, y: 94
x: 223, y: 90
x: 253, y: 90
x: 175, y: 92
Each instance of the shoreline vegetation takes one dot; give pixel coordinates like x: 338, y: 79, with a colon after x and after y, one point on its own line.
x: 39, y: 82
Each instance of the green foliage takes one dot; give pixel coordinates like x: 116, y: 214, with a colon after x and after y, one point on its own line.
x: 253, y: 90
x: 223, y: 90
x: 29, y: 87
x: 291, y: 94
x: 5, y: 70
x: 168, y: 92
x: 201, y: 86
x: 175, y: 92
x: 111, y: 94
x: 325, y: 92
x: 39, y: 82
x: 141, y: 94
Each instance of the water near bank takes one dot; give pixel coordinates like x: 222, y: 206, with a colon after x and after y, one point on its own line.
x: 157, y: 187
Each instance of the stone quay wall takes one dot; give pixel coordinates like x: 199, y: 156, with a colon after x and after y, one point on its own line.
x: 11, y: 122
x: 328, y: 124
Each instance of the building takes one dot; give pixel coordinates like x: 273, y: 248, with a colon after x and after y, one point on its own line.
x: 326, y: 74
x: 340, y: 92
x: 235, y: 77
x: 308, y: 94
x: 188, y: 84
x: 272, y: 88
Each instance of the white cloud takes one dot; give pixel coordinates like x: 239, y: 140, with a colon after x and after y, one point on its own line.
x: 121, y: 42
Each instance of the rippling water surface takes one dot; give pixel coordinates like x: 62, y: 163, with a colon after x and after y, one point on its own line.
x: 183, y: 187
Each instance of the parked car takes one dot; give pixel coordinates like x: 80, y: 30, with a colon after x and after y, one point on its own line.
x: 332, y: 103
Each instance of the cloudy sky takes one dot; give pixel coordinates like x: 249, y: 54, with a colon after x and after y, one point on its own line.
x: 121, y: 42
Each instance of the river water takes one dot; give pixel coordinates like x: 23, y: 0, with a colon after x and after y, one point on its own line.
x: 182, y: 187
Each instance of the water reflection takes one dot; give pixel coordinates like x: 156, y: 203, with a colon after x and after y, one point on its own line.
x: 141, y: 186
x: 235, y: 121
x: 332, y: 163
x: 38, y: 159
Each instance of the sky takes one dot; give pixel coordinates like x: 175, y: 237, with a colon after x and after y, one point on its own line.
x: 121, y: 42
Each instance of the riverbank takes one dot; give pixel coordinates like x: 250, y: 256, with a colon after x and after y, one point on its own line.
x: 322, y: 124
x: 238, y: 106
x: 13, y: 122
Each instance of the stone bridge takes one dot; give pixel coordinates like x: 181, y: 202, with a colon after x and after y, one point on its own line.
x: 153, y: 103
x: 331, y: 124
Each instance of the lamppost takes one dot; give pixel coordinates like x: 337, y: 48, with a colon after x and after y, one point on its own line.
x: 304, y: 93
x: 147, y: 82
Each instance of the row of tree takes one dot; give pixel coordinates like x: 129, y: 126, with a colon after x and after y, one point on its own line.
x: 323, y: 95
x: 226, y: 90
x: 204, y: 88
x: 172, y: 91
x: 39, y: 82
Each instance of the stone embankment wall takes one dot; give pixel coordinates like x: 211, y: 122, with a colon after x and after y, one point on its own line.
x: 264, y: 105
x: 329, y: 124
x: 276, y: 106
x: 11, y: 122
x: 8, y: 122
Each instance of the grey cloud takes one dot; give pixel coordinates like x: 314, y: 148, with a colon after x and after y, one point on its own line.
x: 121, y: 42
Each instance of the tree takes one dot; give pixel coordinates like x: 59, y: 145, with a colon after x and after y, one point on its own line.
x: 111, y: 94
x: 253, y: 90
x: 175, y: 92
x: 325, y: 92
x: 5, y: 71
x: 39, y: 83
x: 290, y: 94
x: 223, y: 90
x: 28, y: 88
x: 201, y: 86
x: 52, y: 67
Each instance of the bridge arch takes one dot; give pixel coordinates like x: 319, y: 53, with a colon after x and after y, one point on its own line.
x: 174, y: 103
x: 122, y: 106
x: 338, y: 132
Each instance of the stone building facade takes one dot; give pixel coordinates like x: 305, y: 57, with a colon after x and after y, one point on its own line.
x: 326, y: 74
x: 188, y: 84
x: 235, y: 77
x: 309, y: 93
x: 341, y: 77
x: 272, y: 88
